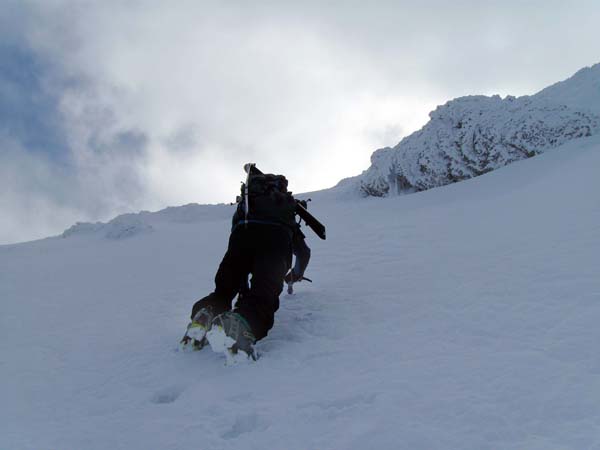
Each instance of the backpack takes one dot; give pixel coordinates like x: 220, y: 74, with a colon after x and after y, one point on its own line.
x: 266, y: 184
x: 268, y: 200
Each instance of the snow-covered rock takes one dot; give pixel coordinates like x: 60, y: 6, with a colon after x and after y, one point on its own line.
x: 82, y: 228
x: 123, y: 226
x: 581, y: 91
x: 132, y: 224
x: 473, y: 135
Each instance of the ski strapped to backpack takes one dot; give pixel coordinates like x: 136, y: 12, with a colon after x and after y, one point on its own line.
x: 248, y: 168
x: 311, y: 220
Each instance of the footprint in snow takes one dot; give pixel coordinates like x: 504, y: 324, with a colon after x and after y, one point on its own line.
x: 167, y: 395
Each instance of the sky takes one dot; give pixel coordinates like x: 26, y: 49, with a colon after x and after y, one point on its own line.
x: 109, y: 107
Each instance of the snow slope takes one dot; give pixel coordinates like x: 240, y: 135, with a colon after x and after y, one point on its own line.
x: 463, y: 317
x: 581, y: 91
x: 473, y: 135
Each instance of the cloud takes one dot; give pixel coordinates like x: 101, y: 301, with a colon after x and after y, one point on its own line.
x: 246, y: 84
x: 30, y: 188
x: 149, y: 104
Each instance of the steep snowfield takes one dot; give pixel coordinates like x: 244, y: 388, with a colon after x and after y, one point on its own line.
x: 463, y: 317
x: 473, y: 135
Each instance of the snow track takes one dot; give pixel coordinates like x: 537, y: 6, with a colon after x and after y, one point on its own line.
x: 464, y: 317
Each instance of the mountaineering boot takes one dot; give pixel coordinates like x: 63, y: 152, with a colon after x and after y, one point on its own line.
x: 230, y: 334
x: 195, y: 335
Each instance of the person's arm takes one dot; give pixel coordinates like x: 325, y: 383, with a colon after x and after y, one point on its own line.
x: 302, y: 253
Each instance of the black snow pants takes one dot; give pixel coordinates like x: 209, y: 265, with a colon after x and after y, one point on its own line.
x: 263, y: 251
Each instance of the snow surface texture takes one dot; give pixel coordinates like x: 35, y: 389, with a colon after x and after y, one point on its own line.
x: 464, y: 317
x: 473, y: 135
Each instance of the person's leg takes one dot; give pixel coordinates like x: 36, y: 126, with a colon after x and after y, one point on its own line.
x: 233, y: 269
x: 272, y: 259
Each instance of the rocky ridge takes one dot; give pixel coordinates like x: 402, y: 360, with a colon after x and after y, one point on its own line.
x: 473, y: 135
